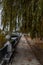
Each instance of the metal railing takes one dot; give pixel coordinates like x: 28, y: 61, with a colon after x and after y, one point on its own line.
x: 4, y: 54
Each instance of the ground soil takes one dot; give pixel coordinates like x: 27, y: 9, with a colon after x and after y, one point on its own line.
x: 24, y: 54
x: 37, y: 47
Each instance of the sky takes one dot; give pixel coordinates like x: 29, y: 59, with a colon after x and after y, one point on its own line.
x: 0, y: 14
x: 0, y: 18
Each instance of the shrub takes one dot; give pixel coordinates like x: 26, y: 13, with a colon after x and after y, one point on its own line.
x: 2, y: 40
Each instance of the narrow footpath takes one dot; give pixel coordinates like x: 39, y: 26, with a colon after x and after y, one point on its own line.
x: 24, y: 54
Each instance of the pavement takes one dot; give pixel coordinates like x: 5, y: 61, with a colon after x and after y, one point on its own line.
x: 24, y: 54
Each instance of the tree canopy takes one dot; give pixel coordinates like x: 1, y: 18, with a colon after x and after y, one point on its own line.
x: 31, y: 12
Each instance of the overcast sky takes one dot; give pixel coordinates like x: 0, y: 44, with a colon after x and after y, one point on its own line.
x: 0, y: 18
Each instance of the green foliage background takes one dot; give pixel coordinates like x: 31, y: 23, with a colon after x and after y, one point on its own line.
x: 32, y: 16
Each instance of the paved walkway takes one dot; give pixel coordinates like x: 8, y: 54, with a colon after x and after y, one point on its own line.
x: 24, y: 55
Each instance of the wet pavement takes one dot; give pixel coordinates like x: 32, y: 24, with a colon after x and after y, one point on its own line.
x: 24, y: 54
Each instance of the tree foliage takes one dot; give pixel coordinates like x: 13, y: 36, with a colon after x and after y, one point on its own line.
x: 32, y: 15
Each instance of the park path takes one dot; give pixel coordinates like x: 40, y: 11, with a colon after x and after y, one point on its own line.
x: 24, y: 54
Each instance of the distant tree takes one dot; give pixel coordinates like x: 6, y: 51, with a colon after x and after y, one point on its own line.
x: 32, y: 16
